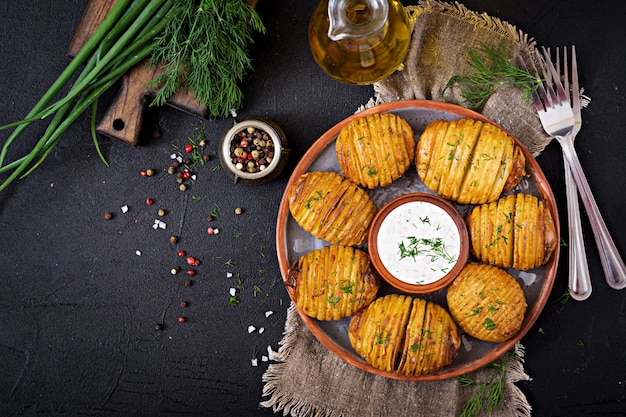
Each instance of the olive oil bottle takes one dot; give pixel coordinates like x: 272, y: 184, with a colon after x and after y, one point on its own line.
x: 359, y: 41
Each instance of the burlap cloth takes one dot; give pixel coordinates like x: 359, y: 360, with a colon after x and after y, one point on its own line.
x: 307, y: 379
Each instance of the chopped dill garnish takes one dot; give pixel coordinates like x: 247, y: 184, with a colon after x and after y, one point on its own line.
x: 492, y: 69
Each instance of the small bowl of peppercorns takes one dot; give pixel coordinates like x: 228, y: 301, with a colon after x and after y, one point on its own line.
x: 254, y: 151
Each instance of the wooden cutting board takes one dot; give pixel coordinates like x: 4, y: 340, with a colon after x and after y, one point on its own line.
x: 124, y: 116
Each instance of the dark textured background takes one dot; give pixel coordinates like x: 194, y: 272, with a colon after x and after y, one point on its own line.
x: 78, y: 307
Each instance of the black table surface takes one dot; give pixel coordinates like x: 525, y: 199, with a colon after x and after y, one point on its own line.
x: 79, y: 305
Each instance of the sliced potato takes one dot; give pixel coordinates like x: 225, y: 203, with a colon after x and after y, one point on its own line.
x: 468, y: 161
x: 487, y: 302
x: 375, y: 150
x: 409, y: 336
x: 331, y: 207
x: 332, y: 282
x: 432, y: 340
x: 517, y: 231
x: 377, y: 332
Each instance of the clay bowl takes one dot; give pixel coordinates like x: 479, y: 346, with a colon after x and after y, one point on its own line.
x: 418, y: 243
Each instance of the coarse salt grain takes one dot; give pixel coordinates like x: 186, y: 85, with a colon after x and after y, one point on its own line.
x: 233, y: 292
x: 270, y: 353
x: 229, y: 275
x: 264, y: 358
x: 193, y: 177
x: 261, y: 330
x: 251, y: 329
x: 268, y: 313
x: 124, y: 209
x: 138, y: 252
x: 173, y: 156
x: 255, y: 362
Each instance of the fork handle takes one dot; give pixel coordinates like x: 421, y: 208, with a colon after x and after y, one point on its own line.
x: 579, y: 277
x: 612, y: 263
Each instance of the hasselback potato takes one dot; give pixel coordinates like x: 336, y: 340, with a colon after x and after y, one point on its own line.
x: 487, y: 302
x: 332, y: 282
x: 517, y: 231
x: 331, y: 207
x: 375, y: 150
x: 409, y: 336
x: 468, y: 161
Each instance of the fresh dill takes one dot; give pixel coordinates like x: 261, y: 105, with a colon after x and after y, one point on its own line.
x: 492, y: 69
x: 489, y: 394
x: 205, y: 48
x: 430, y: 248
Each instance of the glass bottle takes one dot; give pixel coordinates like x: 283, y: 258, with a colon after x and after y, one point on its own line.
x: 359, y: 41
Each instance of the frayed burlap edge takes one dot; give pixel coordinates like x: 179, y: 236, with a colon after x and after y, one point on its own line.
x: 286, y: 396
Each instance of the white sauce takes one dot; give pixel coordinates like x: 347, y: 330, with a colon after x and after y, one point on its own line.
x: 418, y: 242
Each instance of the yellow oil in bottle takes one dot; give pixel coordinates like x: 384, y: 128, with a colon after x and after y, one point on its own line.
x: 366, y: 59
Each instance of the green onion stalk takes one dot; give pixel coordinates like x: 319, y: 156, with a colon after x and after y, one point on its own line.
x: 125, y: 37
x: 202, y: 43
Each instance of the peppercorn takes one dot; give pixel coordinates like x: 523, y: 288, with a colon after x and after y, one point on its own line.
x: 108, y: 215
x: 156, y: 133
x: 150, y: 172
x: 171, y: 170
x: 149, y: 201
x: 210, y: 218
x: 173, y: 240
x: 184, y: 304
x: 158, y: 326
x: 182, y: 187
x: 182, y: 319
x: 191, y: 272
x: 202, y: 142
x: 238, y: 210
x: 161, y: 212
x: 175, y: 271
x: 191, y: 260
x: 188, y: 283
x: 182, y: 253
x: 143, y: 173
x: 206, y: 158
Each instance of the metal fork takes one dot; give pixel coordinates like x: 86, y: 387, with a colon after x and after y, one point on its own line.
x: 557, y: 119
x: 579, y: 277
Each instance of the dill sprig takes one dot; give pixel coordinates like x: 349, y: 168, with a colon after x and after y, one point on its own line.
x: 488, y: 395
x: 205, y: 48
x: 492, y: 69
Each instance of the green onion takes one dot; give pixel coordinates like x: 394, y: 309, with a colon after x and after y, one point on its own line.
x: 202, y: 43
x: 123, y: 39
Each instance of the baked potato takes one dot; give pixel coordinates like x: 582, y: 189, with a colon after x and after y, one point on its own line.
x: 332, y: 282
x: 487, y: 302
x: 405, y: 335
x: 468, y: 161
x: 517, y: 231
x: 331, y: 207
x: 375, y: 150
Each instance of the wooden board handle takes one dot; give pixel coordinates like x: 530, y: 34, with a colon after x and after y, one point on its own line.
x: 123, y: 118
